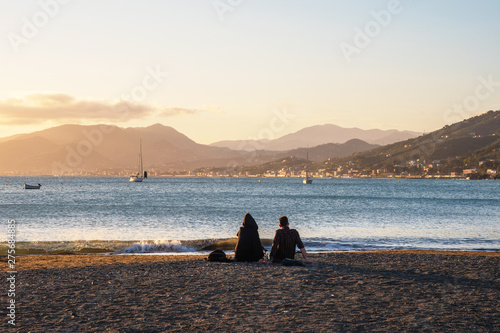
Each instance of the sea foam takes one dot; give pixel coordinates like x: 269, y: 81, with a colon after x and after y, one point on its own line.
x: 157, y: 246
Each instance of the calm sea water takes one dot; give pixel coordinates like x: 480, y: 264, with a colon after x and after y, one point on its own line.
x: 183, y: 214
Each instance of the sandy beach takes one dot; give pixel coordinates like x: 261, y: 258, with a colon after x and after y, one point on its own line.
x: 389, y: 291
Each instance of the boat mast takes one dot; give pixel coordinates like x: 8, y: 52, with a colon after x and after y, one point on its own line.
x: 307, y: 164
x: 140, y: 158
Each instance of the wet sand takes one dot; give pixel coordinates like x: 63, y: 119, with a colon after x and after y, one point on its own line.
x: 388, y: 291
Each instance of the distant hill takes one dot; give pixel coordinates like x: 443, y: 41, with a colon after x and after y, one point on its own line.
x: 331, y: 150
x: 77, y: 149
x: 297, y: 158
x: 319, y: 135
x: 473, y: 139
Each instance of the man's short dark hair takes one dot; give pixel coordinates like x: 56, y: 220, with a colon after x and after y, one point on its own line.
x: 283, y: 221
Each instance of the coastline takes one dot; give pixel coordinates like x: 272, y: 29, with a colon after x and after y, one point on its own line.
x: 342, y: 291
x: 202, y: 247
x: 433, y: 177
x: 63, y: 260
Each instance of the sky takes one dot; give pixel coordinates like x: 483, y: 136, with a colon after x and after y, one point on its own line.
x: 240, y: 69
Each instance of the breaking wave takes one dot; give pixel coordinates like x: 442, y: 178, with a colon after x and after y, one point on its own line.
x: 120, y: 247
x: 158, y: 246
x: 203, y: 246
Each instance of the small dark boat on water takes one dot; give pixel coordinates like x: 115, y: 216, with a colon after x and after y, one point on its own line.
x: 32, y: 187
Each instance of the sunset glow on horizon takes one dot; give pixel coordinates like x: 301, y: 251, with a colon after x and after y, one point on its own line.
x: 217, y: 70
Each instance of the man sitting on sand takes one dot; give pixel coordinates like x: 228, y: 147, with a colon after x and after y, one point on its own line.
x: 284, y: 243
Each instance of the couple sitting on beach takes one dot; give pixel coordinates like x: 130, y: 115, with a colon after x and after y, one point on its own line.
x: 249, y: 248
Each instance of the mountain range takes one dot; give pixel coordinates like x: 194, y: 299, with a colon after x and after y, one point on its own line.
x: 77, y: 149
x: 462, y: 144
x: 319, y: 135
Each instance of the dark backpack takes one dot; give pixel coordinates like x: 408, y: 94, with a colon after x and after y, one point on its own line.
x: 217, y: 256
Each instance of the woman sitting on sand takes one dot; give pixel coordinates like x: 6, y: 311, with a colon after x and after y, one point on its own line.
x: 248, y: 247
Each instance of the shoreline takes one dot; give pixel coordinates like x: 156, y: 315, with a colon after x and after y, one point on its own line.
x: 226, y: 246
x: 391, y: 291
x: 201, y: 246
x: 64, y: 260
x: 431, y: 177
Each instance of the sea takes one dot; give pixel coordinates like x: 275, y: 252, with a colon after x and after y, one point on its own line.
x: 174, y: 215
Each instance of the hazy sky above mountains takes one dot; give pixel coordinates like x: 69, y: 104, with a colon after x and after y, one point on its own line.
x: 238, y: 69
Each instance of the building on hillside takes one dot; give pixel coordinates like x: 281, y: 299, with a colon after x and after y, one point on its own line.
x: 469, y: 171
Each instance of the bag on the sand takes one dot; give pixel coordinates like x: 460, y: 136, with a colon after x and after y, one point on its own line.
x: 217, y: 256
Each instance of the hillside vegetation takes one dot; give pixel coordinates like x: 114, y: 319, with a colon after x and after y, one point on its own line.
x: 451, y: 149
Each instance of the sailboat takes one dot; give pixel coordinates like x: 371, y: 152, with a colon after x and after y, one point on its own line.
x: 141, y: 174
x: 307, y: 179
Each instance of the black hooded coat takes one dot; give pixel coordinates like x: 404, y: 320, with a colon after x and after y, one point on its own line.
x: 248, y: 247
